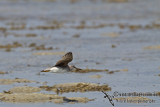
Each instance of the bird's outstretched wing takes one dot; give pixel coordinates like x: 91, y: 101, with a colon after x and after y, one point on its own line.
x: 65, y: 60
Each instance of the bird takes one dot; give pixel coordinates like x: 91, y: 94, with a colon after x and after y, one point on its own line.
x: 62, y: 64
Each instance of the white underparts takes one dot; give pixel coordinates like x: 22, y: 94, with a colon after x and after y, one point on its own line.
x: 55, y: 69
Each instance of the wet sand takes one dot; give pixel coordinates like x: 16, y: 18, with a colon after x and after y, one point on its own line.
x: 115, y: 42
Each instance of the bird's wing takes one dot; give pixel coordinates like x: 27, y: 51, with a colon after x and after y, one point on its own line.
x: 65, y: 60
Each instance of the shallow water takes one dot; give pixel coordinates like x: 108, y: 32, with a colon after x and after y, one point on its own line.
x: 101, y: 44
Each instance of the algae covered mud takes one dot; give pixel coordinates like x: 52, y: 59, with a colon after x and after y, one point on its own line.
x: 116, y: 43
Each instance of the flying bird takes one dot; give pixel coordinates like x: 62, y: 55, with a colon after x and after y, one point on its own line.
x: 62, y: 64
